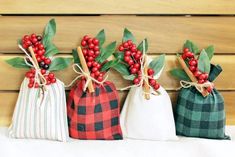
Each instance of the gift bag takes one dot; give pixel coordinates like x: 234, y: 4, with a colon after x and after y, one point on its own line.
x: 147, y: 113
x: 94, y: 116
x: 41, y: 117
x: 93, y: 104
x: 200, y: 107
x: 40, y: 110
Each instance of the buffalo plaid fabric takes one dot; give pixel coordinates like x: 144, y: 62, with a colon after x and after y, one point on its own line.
x: 198, y: 116
x: 94, y: 116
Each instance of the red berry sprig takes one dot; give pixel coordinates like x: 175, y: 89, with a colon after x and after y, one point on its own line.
x: 91, y: 50
x: 193, y: 62
x: 35, y: 41
x: 133, y: 56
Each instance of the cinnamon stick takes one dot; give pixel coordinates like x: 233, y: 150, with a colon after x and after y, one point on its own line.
x: 85, y: 68
x: 36, y: 62
x: 190, y: 74
x: 146, y: 83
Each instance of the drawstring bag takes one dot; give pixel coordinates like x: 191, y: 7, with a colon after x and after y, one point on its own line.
x: 200, y: 107
x: 93, y: 104
x: 40, y: 110
x: 147, y: 114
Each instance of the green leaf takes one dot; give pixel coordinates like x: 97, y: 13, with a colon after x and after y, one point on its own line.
x: 157, y: 63
x: 19, y: 42
x: 179, y: 74
x: 129, y: 77
x: 191, y: 46
x: 127, y: 35
x: 76, y: 59
x: 101, y: 37
x: 109, y: 64
x: 210, y: 51
x: 49, y: 32
x: 119, y: 55
x: 140, y: 46
x: 59, y: 63
x: 204, y: 62
x: 17, y: 62
x: 51, y: 50
x: 106, y: 52
x: 121, y: 68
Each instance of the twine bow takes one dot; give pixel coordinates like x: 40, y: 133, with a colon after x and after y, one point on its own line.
x: 144, y: 77
x: 199, y: 87
x: 38, y: 74
x: 82, y: 73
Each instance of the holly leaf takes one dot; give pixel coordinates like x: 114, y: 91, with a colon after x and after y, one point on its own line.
x: 121, y: 68
x: 101, y: 37
x: 51, y: 50
x: 106, y: 52
x: 129, y: 77
x: 76, y: 59
x: 59, y: 63
x: 127, y: 35
x: 109, y: 64
x: 157, y: 63
x: 119, y: 55
x: 179, y: 74
x: 17, y: 62
x: 204, y: 62
x: 49, y: 33
x: 191, y: 46
x: 210, y: 51
x: 140, y: 46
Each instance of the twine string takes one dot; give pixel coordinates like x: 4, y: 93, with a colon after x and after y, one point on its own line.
x: 199, y: 87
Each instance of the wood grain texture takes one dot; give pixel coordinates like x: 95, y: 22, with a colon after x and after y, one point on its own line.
x: 117, y: 7
x: 165, y: 33
x: 7, y: 106
x: 11, y: 78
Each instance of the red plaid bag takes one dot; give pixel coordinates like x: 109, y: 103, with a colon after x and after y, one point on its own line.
x: 94, y: 116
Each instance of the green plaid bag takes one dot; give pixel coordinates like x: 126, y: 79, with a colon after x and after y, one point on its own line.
x: 198, y: 116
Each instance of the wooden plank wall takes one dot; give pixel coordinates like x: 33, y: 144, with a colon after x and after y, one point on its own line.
x: 166, y: 24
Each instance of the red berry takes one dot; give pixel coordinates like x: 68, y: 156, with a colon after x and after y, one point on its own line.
x: 125, y: 45
x: 152, y: 82
x: 130, y: 62
x: 150, y: 71
x: 136, y: 65
x: 92, y: 75
x: 202, y: 77
x: 156, y: 86
x: 90, y: 40
x: 31, y: 80
x: 133, y: 48
x: 98, y: 66
x: 95, y: 41
x: 121, y: 48
x: 96, y: 48
x: 53, y: 80
x: 136, y: 81
x: 90, y: 58
x: 137, y: 56
x: 29, y: 74
x: 43, y: 58
x: 33, y: 35
x: 40, y: 52
x: 36, y: 85
x: 186, y: 50
x: 91, y: 53
x: 91, y: 46
x: 201, y: 81
x: 26, y: 37
x: 47, y: 61
x: 83, y: 43
x: 139, y: 52
x: 189, y: 54
x: 184, y: 56
x: 133, y: 70
x: 25, y: 46
x: 197, y: 73
x: 94, y: 69
x: 43, y: 71
x: 94, y: 64
x: 127, y: 53
x: 89, y: 64
x: 39, y: 59
x: 86, y: 37
x: 40, y: 46
x: 192, y: 68
x: 193, y: 62
x: 206, y: 75
x: 51, y: 75
x: 209, y: 89
x: 129, y: 42
x: 28, y: 43
x: 97, y: 53
x: 34, y: 40
x: 30, y: 85
x: 127, y: 59
x: 48, y: 82
x: 97, y: 73
x: 100, y: 79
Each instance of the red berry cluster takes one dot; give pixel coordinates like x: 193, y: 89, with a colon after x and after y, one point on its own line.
x: 192, y: 62
x: 91, y: 50
x: 133, y: 56
x: 35, y: 41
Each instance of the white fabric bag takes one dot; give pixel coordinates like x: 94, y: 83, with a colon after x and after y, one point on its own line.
x: 148, y: 119
x: 38, y: 117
